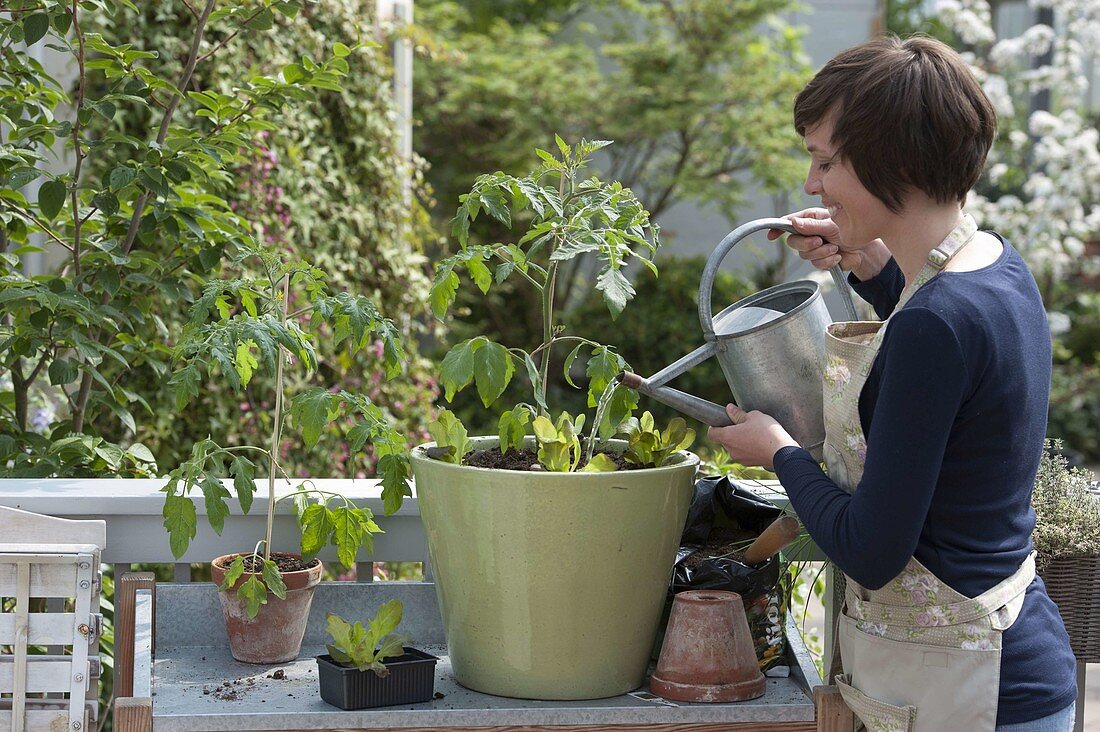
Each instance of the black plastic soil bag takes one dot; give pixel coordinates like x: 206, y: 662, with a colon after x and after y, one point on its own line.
x: 724, y: 513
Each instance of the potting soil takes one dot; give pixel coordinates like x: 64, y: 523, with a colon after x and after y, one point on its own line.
x: 528, y: 460
x: 285, y: 563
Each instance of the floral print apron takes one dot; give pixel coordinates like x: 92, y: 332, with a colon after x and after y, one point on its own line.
x: 917, y: 655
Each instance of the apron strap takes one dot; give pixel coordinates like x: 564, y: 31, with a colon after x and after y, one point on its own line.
x: 937, y: 259
x: 964, y: 611
x: 959, y: 237
x: 940, y: 255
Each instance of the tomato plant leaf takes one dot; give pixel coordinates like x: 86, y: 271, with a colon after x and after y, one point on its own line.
x: 232, y: 573
x: 312, y: 410
x: 493, y: 370
x: 180, y: 521
x: 457, y: 369
x: 395, y: 472
x: 244, y: 482
x: 254, y: 593
x: 603, y: 366
x: 317, y: 525
x: 616, y: 288
x: 214, y: 495
x: 274, y: 579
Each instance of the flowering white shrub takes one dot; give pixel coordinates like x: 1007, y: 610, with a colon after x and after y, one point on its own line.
x: 1042, y: 185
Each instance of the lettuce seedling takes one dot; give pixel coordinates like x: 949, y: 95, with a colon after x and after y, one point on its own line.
x: 647, y: 445
x: 367, y: 648
x: 452, y: 442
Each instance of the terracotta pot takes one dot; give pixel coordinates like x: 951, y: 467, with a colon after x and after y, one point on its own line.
x: 275, y: 634
x: 707, y: 654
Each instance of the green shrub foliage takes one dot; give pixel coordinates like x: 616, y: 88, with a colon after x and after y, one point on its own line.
x: 121, y: 176
x: 325, y: 185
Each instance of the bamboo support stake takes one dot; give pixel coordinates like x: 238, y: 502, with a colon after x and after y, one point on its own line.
x: 277, y: 429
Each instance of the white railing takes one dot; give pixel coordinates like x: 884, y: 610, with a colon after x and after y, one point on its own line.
x: 133, y: 508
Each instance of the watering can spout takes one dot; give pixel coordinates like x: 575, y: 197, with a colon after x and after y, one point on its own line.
x: 691, y: 406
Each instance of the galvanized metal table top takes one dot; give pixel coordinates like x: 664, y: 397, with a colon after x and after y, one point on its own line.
x: 196, y: 684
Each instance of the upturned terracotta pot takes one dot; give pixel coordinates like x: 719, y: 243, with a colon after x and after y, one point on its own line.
x: 707, y: 654
x: 275, y: 634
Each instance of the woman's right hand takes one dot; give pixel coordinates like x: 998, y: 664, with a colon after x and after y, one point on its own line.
x: 818, y: 242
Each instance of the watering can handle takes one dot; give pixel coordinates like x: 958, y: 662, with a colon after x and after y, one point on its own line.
x: 706, y: 284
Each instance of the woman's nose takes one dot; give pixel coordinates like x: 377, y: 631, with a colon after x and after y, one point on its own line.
x: 812, y: 186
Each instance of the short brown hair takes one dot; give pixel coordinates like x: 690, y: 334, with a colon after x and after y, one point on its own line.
x: 906, y: 114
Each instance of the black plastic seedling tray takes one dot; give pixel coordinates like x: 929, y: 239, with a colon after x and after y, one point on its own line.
x: 411, y: 680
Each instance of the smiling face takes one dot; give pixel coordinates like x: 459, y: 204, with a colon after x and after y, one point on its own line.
x: 859, y: 214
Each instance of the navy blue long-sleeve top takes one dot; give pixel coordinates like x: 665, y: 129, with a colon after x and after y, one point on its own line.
x: 954, y: 412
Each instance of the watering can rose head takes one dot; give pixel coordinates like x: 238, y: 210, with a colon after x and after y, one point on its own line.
x: 570, y: 216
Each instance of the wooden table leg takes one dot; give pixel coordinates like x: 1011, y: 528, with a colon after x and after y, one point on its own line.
x: 833, y: 715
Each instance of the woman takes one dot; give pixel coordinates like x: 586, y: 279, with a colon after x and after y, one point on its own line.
x: 935, y: 419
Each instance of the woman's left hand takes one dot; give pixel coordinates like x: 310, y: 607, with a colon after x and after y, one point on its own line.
x: 752, y: 439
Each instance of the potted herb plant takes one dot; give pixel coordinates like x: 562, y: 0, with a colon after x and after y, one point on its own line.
x: 1067, y: 541
x: 372, y: 666
x: 237, y: 327
x: 551, y: 566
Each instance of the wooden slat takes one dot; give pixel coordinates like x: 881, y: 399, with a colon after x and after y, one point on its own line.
x: 44, y: 673
x: 42, y: 629
x: 50, y: 552
x: 39, y: 719
x: 26, y: 527
x: 133, y: 714
x: 53, y: 704
x: 833, y: 715
x: 125, y: 603
x: 47, y: 580
x: 19, y: 666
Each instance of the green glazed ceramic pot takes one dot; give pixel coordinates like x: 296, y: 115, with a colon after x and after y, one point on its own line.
x: 551, y: 585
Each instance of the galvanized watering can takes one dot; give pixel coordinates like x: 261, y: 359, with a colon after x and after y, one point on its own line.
x: 771, y: 347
